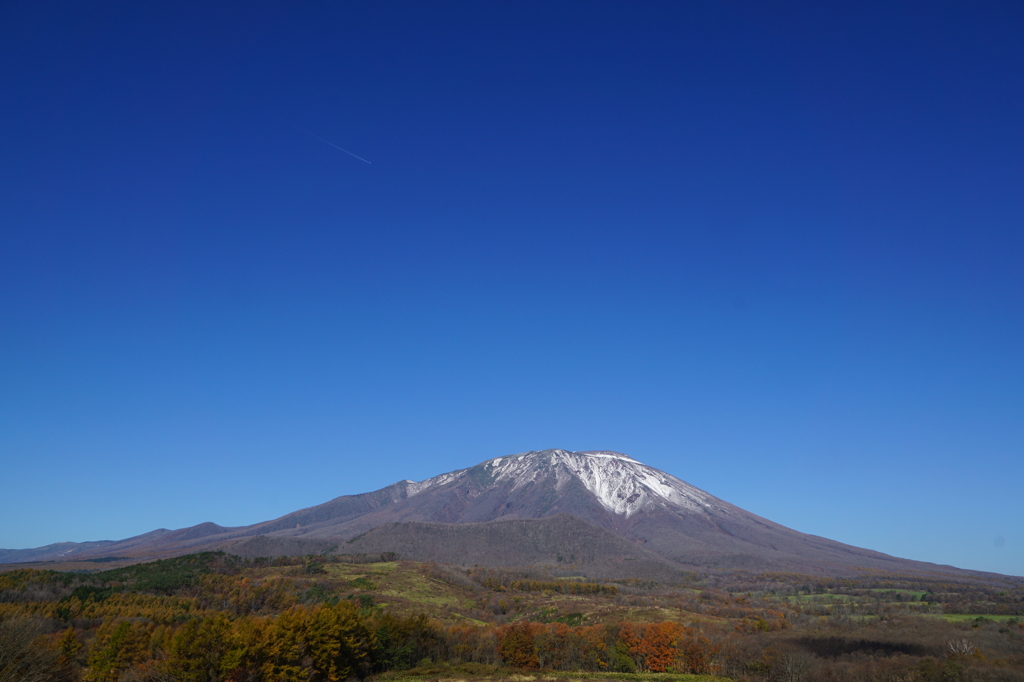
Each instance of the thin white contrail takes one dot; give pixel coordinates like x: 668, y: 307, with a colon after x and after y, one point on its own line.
x: 332, y: 144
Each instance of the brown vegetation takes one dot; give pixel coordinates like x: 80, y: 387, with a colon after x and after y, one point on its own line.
x: 214, y: 617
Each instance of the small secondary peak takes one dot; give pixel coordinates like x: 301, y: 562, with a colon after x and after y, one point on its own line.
x: 558, y: 452
x: 606, y: 453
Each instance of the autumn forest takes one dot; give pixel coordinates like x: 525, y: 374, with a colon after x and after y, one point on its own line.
x: 215, y: 617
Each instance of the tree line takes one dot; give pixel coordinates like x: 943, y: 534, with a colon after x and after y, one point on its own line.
x: 330, y: 643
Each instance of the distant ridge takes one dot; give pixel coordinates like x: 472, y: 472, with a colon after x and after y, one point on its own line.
x: 521, y: 509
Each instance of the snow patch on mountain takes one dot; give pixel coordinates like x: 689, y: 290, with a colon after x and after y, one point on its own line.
x: 620, y: 484
x: 413, y: 488
x: 625, y: 486
x: 609, y: 455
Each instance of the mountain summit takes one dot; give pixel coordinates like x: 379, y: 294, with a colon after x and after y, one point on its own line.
x: 619, y: 483
x: 543, y: 500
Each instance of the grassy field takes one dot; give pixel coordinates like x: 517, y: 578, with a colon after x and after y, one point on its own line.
x: 914, y: 595
x: 980, y: 618
x: 409, y: 588
x: 401, y: 587
x: 822, y: 598
x: 486, y: 673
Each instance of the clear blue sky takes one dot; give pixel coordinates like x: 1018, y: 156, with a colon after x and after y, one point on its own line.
x: 776, y: 251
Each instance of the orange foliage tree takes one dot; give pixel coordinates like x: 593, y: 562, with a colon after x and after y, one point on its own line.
x: 654, y: 647
x: 516, y: 646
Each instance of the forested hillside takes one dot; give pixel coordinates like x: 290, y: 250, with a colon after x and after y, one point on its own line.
x: 212, y: 617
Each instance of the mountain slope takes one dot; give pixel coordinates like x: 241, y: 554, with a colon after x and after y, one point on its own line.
x: 560, y: 542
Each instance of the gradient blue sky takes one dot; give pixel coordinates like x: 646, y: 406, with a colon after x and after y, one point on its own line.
x: 776, y: 251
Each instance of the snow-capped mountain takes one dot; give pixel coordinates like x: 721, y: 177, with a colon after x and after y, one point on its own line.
x: 622, y: 485
x: 633, y: 511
